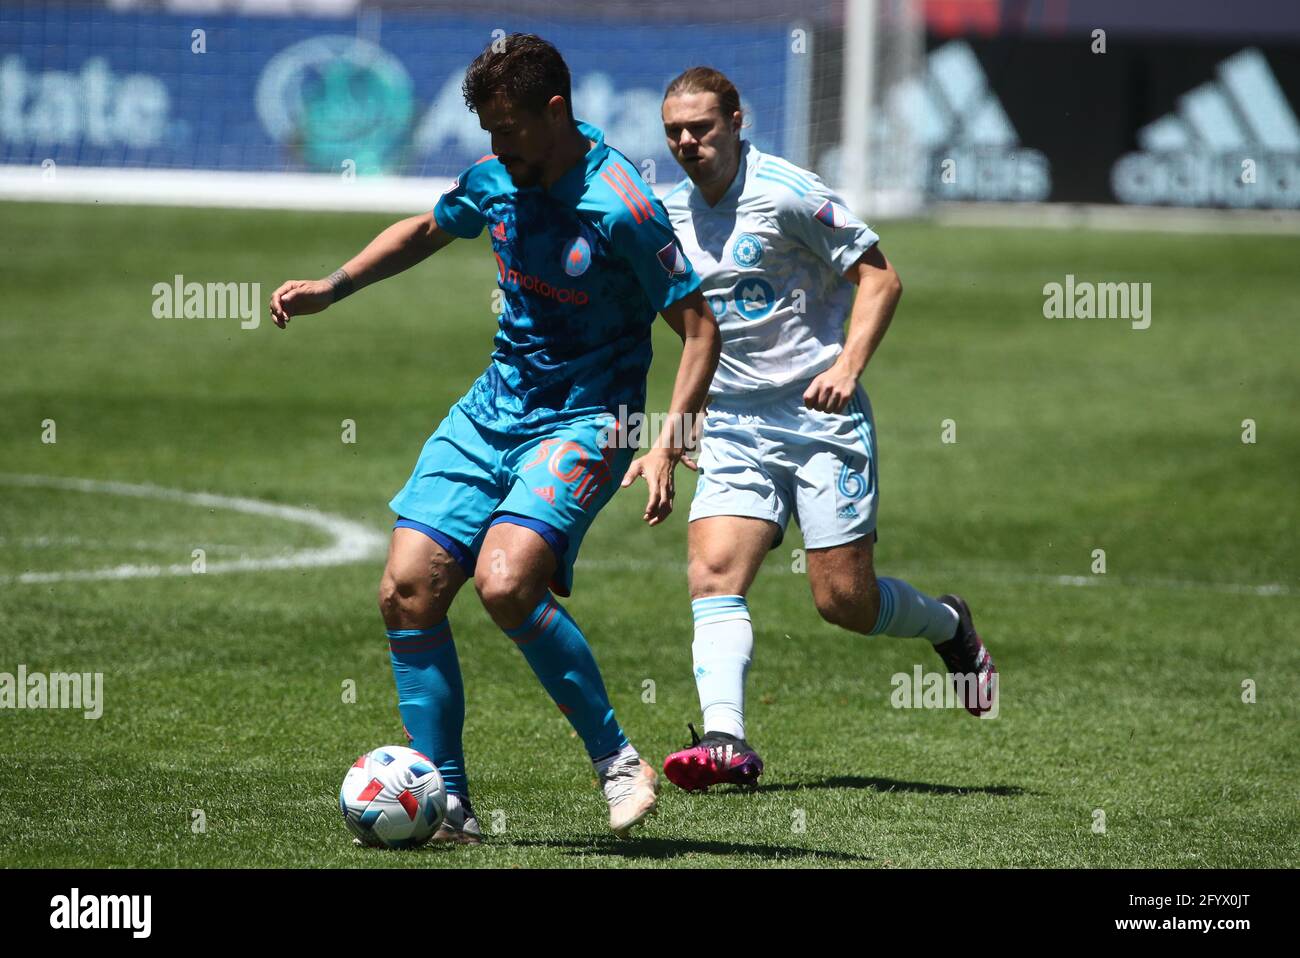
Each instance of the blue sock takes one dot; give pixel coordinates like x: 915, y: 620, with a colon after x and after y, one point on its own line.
x: 561, y: 659
x: 909, y: 613
x: 431, y: 698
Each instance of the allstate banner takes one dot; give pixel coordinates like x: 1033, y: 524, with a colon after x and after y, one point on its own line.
x: 91, y: 87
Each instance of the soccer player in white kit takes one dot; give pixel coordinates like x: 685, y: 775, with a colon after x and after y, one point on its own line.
x: 789, y: 430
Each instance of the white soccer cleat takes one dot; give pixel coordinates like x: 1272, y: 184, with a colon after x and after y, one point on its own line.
x: 461, y: 825
x: 631, y: 787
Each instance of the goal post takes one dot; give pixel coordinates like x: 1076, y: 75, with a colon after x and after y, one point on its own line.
x: 881, y: 164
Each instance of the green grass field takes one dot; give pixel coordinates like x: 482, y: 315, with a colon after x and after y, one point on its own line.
x: 223, y: 692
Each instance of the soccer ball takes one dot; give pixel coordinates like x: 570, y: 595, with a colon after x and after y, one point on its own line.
x: 393, y: 797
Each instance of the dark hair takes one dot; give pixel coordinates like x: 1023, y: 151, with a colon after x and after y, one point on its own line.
x: 707, y: 80
x: 526, y: 69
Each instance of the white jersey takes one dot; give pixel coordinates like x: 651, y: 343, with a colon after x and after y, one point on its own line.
x: 772, y: 256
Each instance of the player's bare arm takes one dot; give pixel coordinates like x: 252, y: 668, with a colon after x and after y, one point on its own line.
x: 692, y: 320
x: 879, y: 291
x: 401, y: 246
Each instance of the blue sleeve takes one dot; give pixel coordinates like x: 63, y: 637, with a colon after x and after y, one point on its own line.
x: 650, y: 247
x: 457, y: 212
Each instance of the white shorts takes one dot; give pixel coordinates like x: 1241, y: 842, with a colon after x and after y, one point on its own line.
x: 775, y: 458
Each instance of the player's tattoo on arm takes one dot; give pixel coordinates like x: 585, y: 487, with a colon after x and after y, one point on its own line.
x: 341, y: 283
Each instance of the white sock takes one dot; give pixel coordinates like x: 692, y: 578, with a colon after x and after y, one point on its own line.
x: 723, y: 647
x: 626, y: 754
x: 909, y: 613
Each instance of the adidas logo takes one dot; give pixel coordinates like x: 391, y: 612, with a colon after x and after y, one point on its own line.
x: 974, y: 151
x: 1232, y: 141
x: 546, y: 492
x: 847, y: 512
x: 722, y: 754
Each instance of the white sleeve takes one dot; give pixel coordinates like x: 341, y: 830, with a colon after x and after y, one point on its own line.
x: 819, y: 218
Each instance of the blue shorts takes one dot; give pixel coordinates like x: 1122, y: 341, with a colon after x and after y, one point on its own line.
x: 469, y: 477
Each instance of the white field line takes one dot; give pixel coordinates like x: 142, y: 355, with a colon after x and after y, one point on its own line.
x: 351, y: 541
x: 354, y: 542
x: 991, y: 574
x: 137, y: 545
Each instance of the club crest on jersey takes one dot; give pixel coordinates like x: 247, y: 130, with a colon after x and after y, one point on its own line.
x: 832, y: 215
x: 755, y: 298
x: 672, y: 259
x: 577, y: 256
x: 747, y: 250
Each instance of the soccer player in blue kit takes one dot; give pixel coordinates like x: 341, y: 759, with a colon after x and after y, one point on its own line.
x: 510, y: 481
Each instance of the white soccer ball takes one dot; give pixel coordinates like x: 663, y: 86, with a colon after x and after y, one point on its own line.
x: 393, y: 797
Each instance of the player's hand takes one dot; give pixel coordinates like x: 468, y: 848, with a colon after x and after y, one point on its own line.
x: 831, y: 390
x: 656, y: 467
x: 298, y: 297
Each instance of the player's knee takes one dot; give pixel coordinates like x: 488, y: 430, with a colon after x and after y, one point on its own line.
x: 507, y: 606
x: 403, y: 600
x: 841, y: 605
x: 390, y: 597
x: 506, y: 597
x: 710, y: 575
x: 832, y: 608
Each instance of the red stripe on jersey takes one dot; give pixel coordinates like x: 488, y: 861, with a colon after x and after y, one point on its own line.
x: 633, y: 190
x: 485, y: 158
x: 636, y: 213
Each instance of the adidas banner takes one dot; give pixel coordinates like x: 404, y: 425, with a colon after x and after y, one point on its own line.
x: 1164, y: 123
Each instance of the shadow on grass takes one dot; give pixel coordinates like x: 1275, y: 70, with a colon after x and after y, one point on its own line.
x: 675, y: 848
x: 891, y: 785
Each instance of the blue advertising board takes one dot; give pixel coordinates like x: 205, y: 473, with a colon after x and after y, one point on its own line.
x: 90, y: 86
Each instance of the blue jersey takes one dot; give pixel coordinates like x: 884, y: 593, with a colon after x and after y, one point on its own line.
x: 583, y: 267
